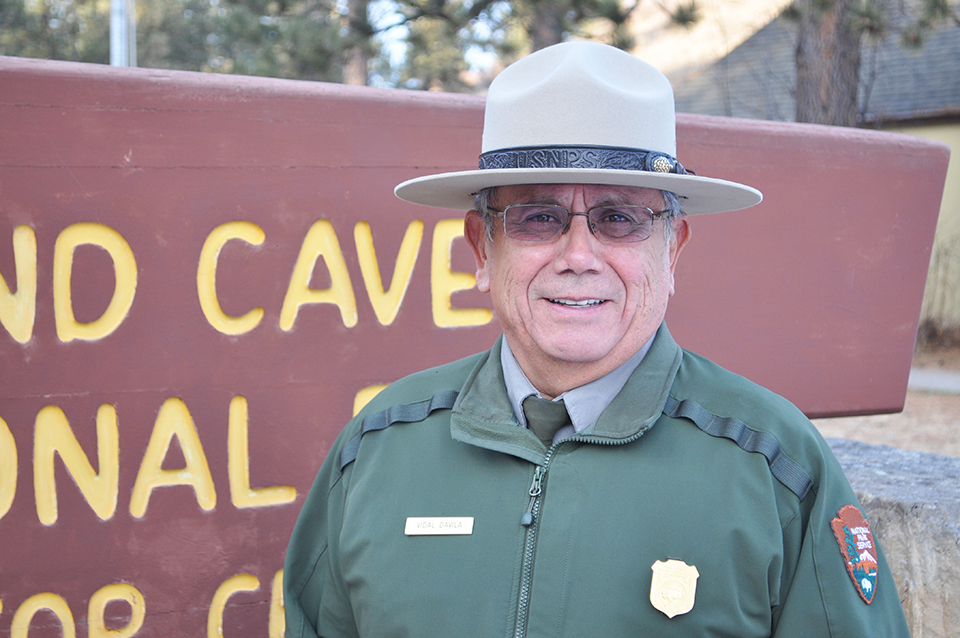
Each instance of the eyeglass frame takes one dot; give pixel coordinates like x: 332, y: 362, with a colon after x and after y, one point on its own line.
x: 665, y: 214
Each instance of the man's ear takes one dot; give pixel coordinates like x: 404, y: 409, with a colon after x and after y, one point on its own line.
x: 678, y: 239
x: 476, y: 235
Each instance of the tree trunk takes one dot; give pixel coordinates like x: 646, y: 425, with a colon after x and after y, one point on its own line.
x: 546, y: 24
x: 359, y: 55
x: 828, y: 63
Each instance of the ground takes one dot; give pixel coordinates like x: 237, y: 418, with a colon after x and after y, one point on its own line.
x: 930, y: 422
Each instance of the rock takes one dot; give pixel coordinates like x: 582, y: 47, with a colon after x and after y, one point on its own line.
x: 912, y: 501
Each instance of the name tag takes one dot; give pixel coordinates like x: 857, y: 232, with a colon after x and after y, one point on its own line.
x: 439, y: 526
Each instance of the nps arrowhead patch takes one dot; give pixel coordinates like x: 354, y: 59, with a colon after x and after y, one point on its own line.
x: 858, y: 549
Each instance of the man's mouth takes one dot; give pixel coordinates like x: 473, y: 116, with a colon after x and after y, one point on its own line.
x: 583, y: 303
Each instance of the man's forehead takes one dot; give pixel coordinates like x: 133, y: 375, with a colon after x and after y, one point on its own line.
x: 563, y: 193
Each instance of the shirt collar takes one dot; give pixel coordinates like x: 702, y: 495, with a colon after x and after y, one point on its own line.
x: 584, y: 403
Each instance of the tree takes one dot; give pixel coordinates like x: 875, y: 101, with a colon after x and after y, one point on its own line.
x: 278, y: 38
x: 281, y: 38
x: 550, y: 23
x: 828, y: 62
x: 932, y: 13
x: 435, y: 58
x: 332, y: 40
x: 59, y: 30
x: 360, y: 43
x: 437, y: 36
x: 831, y: 34
x: 440, y: 33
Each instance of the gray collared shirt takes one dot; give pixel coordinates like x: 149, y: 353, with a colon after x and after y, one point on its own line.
x: 584, y: 403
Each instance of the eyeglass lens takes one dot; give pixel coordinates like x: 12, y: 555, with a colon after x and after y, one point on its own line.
x: 543, y: 222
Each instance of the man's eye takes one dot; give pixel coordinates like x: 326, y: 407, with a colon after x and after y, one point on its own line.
x: 617, y: 216
x: 541, y: 216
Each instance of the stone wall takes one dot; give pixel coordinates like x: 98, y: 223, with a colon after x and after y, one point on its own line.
x: 912, y: 501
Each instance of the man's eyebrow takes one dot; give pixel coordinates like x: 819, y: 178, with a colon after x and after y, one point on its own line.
x: 623, y: 199
x: 535, y: 199
x: 610, y: 200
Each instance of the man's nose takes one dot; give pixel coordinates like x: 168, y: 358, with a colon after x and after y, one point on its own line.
x: 579, y: 247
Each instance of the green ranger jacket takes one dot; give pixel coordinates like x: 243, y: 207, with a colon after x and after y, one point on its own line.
x: 699, y: 504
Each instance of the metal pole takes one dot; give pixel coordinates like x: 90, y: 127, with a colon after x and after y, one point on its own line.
x: 131, y: 33
x: 123, y: 33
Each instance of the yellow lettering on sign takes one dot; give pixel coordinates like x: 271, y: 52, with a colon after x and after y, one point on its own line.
x: 207, y: 277
x: 174, y: 420
x: 8, y: 469
x: 20, y: 626
x: 54, y: 436
x: 277, y: 623
x: 98, y: 605
x: 238, y: 463
x: 444, y: 282
x: 320, y: 241
x: 364, y: 396
x: 234, y: 584
x: 386, y: 304
x: 125, y: 272
x: 18, y: 311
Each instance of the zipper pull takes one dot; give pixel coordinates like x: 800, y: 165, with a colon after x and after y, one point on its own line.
x: 535, y: 488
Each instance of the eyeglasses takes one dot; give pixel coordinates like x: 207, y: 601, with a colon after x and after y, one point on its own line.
x: 545, y: 222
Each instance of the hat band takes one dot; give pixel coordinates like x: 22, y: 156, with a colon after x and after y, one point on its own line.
x: 602, y: 157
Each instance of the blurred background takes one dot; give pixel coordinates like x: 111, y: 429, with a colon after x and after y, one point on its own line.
x: 892, y: 65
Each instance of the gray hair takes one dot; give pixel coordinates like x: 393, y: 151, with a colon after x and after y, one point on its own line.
x: 483, y: 204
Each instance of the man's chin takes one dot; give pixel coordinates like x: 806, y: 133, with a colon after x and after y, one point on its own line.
x: 570, y: 348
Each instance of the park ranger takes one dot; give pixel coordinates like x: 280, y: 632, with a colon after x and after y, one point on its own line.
x: 585, y: 476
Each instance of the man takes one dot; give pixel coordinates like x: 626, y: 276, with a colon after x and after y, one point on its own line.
x: 585, y: 476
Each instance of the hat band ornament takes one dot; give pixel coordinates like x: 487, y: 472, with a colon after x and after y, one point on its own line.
x: 602, y: 157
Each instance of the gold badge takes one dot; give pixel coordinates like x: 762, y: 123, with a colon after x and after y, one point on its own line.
x: 674, y: 587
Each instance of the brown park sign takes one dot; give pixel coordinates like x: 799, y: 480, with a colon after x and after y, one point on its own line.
x: 202, y: 275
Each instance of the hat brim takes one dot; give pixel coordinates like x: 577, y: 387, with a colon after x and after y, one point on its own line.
x: 698, y: 195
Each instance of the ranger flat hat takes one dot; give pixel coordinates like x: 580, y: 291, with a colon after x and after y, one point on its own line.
x: 580, y: 113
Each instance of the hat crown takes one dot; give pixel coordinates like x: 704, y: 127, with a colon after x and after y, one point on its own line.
x: 580, y: 113
x: 580, y: 94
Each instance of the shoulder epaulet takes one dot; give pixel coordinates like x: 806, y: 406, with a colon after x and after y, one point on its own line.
x: 400, y: 413
x: 783, y: 468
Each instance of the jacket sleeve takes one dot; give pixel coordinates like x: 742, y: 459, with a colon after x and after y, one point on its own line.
x: 315, y: 599
x: 819, y: 596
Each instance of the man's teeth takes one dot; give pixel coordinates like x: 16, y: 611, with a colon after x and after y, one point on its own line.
x: 577, y: 304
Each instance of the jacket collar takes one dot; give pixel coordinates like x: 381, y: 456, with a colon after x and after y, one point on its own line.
x: 483, y: 416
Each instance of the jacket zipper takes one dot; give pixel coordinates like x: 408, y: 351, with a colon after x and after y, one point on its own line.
x: 535, y: 488
x: 529, y: 521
